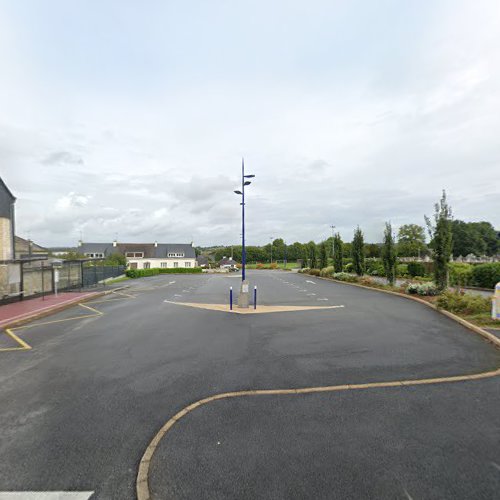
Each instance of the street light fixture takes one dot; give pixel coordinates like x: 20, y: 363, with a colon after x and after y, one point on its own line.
x: 243, y: 297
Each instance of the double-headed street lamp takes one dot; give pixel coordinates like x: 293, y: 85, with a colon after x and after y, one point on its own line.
x: 243, y: 298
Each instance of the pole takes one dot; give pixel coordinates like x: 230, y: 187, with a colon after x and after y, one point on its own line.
x: 230, y: 298
x: 333, y: 241
x: 43, y: 287
x: 255, y: 297
x: 243, y: 250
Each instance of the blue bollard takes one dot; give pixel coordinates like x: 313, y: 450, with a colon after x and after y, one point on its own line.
x: 255, y: 297
x: 230, y: 298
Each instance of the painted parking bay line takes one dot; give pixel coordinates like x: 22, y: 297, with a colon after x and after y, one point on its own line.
x: 312, y: 282
x: 45, y: 495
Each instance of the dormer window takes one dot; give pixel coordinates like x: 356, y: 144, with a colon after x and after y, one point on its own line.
x: 136, y: 255
x: 174, y: 254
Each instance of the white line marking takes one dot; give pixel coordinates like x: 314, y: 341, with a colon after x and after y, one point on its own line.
x: 177, y: 295
x: 310, y: 294
x: 171, y: 282
x: 322, y: 299
x: 45, y: 495
x: 185, y: 291
x: 309, y: 281
x: 407, y: 494
x: 496, y: 466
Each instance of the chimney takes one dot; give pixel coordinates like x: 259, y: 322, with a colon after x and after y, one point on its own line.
x: 156, y: 244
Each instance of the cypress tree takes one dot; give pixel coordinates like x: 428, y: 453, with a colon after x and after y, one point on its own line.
x: 338, y: 259
x: 323, y: 255
x: 441, y: 241
x: 313, y: 259
x: 358, y: 252
x: 389, y: 255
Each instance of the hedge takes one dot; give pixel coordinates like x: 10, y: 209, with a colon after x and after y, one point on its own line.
x: 180, y: 270
x: 141, y: 273
x: 486, y: 275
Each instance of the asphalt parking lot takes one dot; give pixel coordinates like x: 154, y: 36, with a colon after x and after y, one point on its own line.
x: 79, y: 409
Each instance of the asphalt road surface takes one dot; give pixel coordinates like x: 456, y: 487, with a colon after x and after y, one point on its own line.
x: 78, y: 410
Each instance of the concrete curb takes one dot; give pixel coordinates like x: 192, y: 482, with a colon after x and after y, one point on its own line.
x: 476, y: 329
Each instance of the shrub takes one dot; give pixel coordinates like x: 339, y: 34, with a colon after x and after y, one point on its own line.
x: 313, y: 272
x: 423, y: 289
x: 327, y: 271
x: 486, y: 275
x: 464, y: 303
x: 141, y: 273
x: 349, y: 267
x: 460, y: 273
x: 259, y: 266
x: 345, y: 277
x: 273, y: 265
x: 416, y: 269
x: 180, y: 270
x: 402, y: 270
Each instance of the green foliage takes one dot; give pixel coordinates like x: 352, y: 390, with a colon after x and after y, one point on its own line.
x: 181, y: 270
x: 423, y: 289
x: 389, y: 256
x: 313, y: 255
x: 314, y: 272
x: 327, y: 272
x: 348, y: 268
x: 115, y: 259
x: 374, y: 267
x: 478, y: 238
x: 402, y: 270
x: 411, y: 240
x: 373, y: 250
x: 337, y: 253
x: 486, y: 275
x: 141, y: 273
x: 349, y: 278
x: 72, y: 256
x: 416, y: 269
x: 460, y: 273
x: 323, y: 255
x: 441, y: 234
x: 358, y: 252
x: 464, y: 303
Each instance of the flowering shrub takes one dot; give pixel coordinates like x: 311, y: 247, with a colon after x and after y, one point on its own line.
x: 423, y: 289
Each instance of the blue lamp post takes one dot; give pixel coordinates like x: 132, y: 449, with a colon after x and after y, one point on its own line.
x: 243, y: 298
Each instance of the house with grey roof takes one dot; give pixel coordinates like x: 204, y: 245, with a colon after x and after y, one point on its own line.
x: 143, y: 255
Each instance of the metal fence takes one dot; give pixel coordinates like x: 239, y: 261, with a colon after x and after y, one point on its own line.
x: 20, y: 279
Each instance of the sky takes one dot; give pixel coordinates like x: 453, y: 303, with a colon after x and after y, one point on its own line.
x: 128, y: 120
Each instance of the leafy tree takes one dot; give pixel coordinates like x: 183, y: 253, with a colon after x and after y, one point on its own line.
x: 440, y: 232
x: 115, y: 259
x: 478, y: 238
x: 72, y: 256
x: 389, y: 255
x: 338, y: 256
x: 305, y: 256
x: 358, y: 252
x: 313, y: 256
x: 372, y: 250
x: 411, y: 240
x: 323, y: 255
x: 278, y: 249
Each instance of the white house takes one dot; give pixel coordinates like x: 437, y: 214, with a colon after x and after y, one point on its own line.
x: 144, y: 255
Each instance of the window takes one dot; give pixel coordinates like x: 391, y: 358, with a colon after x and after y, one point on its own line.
x: 95, y: 255
x: 174, y: 254
x: 176, y: 264
x: 187, y: 264
x: 164, y: 264
x: 146, y: 265
x: 137, y: 255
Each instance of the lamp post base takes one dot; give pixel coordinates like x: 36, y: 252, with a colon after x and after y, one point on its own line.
x: 243, y: 297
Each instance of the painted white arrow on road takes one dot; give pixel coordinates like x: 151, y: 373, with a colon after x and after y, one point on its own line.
x: 45, y: 495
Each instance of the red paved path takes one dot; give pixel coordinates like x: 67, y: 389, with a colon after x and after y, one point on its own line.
x: 26, y: 308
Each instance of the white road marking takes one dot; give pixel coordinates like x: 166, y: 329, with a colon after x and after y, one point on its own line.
x: 171, y: 282
x: 309, y: 281
x: 302, y: 290
x: 45, y: 495
x: 185, y: 291
x: 177, y: 295
x: 310, y: 294
x: 496, y: 466
x: 322, y: 299
x: 407, y: 494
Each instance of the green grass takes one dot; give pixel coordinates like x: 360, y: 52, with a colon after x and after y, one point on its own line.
x: 117, y: 280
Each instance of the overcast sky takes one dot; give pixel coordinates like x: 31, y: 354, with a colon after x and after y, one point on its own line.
x: 130, y: 118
